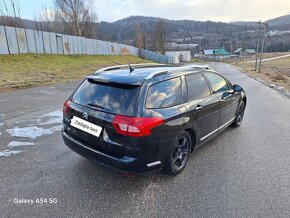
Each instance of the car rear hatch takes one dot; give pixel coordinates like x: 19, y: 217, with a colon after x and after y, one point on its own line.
x: 98, y: 102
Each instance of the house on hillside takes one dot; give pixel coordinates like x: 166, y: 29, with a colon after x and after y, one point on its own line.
x: 216, y: 54
x: 250, y: 51
x: 239, y: 52
x: 208, y: 52
x: 242, y: 52
x: 221, y: 54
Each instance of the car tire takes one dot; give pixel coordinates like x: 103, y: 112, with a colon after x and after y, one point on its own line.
x: 240, y: 115
x: 178, y: 156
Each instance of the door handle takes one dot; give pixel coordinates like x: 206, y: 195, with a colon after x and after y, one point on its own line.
x: 198, y: 107
x: 225, y: 98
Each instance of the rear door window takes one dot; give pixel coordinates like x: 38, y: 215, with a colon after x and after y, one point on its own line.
x: 164, y: 94
x: 197, y: 87
x: 114, y: 98
x: 217, y: 82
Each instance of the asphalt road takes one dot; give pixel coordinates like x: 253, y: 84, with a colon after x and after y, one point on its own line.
x: 244, y: 172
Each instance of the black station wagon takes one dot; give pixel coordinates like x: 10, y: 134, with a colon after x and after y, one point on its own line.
x: 141, y: 118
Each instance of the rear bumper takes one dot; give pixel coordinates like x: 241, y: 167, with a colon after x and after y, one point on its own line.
x: 124, y: 164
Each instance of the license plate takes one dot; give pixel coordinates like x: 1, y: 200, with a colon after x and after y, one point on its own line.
x: 86, y: 126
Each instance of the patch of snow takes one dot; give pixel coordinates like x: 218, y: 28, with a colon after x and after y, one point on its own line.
x: 7, y: 153
x: 52, y: 121
x: 53, y: 117
x: 32, y: 132
x: 272, y: 85
x: 18, y: 144
x: 45, y: 92
x: 56, y: 113
x: 2, y: 116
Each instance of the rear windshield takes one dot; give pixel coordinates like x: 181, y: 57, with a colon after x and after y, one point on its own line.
x: 114, y: 98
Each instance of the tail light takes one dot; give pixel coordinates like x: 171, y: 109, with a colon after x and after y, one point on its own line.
x: 66, y: 107
x: 135, y: 126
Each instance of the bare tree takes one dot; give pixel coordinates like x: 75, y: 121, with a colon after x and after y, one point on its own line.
x: 160, y: 33
x: 10, y: 13
x: 139, y: 37
x: 77, y: 16
x: 45, y: 20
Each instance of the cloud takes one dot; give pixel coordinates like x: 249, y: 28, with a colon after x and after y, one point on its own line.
x: 203, y: 10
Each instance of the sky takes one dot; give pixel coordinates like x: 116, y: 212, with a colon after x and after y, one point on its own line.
x: 200, y: 10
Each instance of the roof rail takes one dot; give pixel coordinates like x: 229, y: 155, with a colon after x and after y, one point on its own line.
x: 178, y: 68
x: 126, y: 66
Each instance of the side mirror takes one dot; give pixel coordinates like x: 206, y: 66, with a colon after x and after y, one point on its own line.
x: 237, y: 88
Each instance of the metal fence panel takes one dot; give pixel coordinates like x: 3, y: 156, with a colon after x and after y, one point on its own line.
x: 98, y: 47
x: 3, y: 41
x: 102, y: 48
x: 102, y: 45
x: 59, y: 44
x: 118, y: 49
x: 71, y: 45
x: 111, y: 50
x: 38, y: 41
x: 154, y: 56
x: 31, y: 44
x: 79, y: 39
x: 125, y: 50
x: 75, y: 42
x: 94, y: 43
x: 66, y: 47
x: 12, y: 40
x: 46, y: 42
x: 21, y: 38
x: 53, y: 45
x: 107, y: 49
x: 88, y: 46
x: 18, y: 40
x: 84, y: 47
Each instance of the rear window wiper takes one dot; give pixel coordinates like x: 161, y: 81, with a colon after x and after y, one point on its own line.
x: 98, y: 106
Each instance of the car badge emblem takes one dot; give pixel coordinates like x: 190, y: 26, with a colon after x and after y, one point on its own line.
x: 85, y: 116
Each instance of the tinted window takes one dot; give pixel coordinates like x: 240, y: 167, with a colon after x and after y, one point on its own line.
x: 164, y: 94
x: 118, y: 99
x: 218, y: 83
x: 196, y: 87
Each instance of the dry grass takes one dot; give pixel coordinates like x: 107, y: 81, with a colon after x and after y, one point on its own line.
x: 29, y: 70
x: 275, y: 71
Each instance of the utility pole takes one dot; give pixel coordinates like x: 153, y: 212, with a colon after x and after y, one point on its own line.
x: 262, y: 49
x: 258, y: 44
